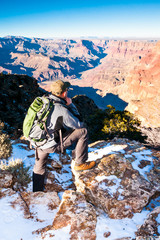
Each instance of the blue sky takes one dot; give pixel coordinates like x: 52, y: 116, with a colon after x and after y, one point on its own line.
x: 83, y: 18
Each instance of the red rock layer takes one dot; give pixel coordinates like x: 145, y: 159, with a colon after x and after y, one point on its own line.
x: 142, y: 89
x: 121, y: 57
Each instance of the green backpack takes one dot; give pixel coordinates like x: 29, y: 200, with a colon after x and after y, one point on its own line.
x: 34, y: 125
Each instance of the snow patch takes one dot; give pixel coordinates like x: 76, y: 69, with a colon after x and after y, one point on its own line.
x: 143, y: 155
x: 15, y: 226
x: 119, y: 228
x: 111, y: 189
x: 158, y: 218
x: 59, y: 234
x: 95, y: 153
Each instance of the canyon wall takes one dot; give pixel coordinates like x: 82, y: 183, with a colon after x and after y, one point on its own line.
x: 142, y: 89
x: 127, y: 69
x: 121, y: 57
x: 131, y: 71
x: 46, y: 59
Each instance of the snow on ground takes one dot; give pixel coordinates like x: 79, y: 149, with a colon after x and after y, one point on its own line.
x: 143, y: 155
x: 15, y: 227
x: 95, y: 154
x: 118, y: 227
x: 158, y: 220
x: 111, y: 189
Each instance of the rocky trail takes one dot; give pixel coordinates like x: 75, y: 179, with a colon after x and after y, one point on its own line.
x: 118, y: 199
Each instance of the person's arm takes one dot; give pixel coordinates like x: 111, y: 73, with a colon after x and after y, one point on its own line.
x: 72, y: 108
x: 70, y: 120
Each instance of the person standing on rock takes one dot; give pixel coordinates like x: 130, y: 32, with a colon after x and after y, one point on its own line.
x: 63, y: 116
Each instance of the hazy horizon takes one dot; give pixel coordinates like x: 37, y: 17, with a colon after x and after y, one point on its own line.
x: 87, y: 38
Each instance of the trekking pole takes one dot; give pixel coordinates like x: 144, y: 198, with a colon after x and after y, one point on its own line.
x: 61, y: 144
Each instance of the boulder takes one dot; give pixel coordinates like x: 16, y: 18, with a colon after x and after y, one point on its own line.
x: 85, y: 105
x: 17, y: 93
x: 123, y: 180
x: 79, y: 214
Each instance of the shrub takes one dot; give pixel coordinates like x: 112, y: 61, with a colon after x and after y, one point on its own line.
x: 20, y: 173
x: 108, y: 123
x: 5, y: 144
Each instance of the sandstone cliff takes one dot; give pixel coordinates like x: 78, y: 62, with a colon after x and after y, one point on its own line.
x: 121, y: 57
x: 131, y: 71
x: 142, y: 89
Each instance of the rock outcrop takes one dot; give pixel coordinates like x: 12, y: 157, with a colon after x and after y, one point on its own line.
x: 118, y: 184
x: 79, y: 214
x: 85, y: 106
x: 125, y: 184
x: 17, y: 93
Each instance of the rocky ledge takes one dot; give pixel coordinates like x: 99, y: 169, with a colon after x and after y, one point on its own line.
x: 122, y: 189
x: 119, y: 184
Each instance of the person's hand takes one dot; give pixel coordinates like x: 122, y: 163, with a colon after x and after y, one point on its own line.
x: 68, y: 101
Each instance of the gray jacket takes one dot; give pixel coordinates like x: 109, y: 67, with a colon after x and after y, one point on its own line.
x: 62, y: 116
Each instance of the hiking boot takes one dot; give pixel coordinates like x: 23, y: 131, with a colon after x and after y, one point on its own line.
x: 85, y: 166
x: 38, y: 182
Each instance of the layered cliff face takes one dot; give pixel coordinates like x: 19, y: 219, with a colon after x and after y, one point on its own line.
x: 49, y: 59
x: 142, y: 89
x: 121, y: 57
x: 129, y: 69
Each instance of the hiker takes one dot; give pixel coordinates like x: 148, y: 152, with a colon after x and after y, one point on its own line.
x: 64, y: 117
